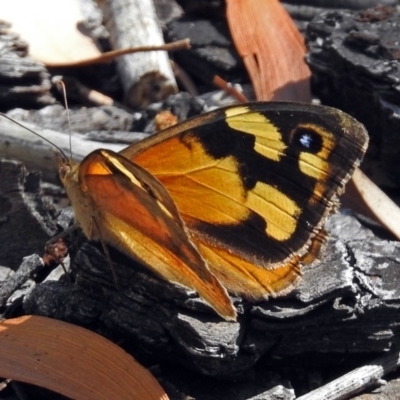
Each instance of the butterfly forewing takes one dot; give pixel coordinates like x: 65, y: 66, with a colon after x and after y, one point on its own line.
x: 135, y: 214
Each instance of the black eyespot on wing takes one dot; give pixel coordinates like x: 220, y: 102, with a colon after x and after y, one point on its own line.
x: 306, y: 140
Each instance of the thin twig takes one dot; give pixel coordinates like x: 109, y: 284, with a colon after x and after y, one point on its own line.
x: 357, y: 380
x: 231, y: 90
x: 183, y: 44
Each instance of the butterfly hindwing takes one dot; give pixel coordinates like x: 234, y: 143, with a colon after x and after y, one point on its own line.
x: 254, y: 184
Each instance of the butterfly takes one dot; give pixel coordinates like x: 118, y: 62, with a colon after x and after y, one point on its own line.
x: 233, y: 200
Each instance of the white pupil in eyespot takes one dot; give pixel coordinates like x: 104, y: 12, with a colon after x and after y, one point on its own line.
x: 306, y: 140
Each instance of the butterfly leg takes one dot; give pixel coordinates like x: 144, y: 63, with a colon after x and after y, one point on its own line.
x: 55, y: 253
x: 61, y: 235
x: 56, y: 250
x: 106, y: 252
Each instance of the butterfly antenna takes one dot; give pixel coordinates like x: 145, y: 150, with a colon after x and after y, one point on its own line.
x: 35, y: 133
x: 60, y: 82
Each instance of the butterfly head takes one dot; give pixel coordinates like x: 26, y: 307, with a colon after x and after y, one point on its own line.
x: 67, y: 169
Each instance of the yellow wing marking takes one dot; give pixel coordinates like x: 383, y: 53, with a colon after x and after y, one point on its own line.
x: 280, y: 210
x: 269, y: 141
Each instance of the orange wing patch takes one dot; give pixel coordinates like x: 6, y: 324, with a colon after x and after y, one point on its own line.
x: 239, y: 276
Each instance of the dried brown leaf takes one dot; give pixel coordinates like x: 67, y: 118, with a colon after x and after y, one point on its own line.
x: 272, y: 49
x: 72, y: 361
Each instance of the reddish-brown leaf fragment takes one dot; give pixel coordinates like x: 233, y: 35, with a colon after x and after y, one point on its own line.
x: 272, y: 49
x: 72, y: 361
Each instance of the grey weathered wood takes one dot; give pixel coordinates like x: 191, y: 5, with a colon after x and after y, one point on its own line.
x: 18, y: 143
x: 357, y: 380
x: 82, y: 120
x: 388, y: 391
x: 278, y: 392
x: 146, y: 77
x: 26, y: 222
x: 28, y: 267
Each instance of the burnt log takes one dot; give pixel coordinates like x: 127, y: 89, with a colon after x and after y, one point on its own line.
x: 27, y: 220
x: 355, y: 62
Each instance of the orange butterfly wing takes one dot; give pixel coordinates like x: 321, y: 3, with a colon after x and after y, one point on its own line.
x: 255, y: 196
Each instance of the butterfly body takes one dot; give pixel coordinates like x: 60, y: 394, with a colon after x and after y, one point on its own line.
x: 235, y: 198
